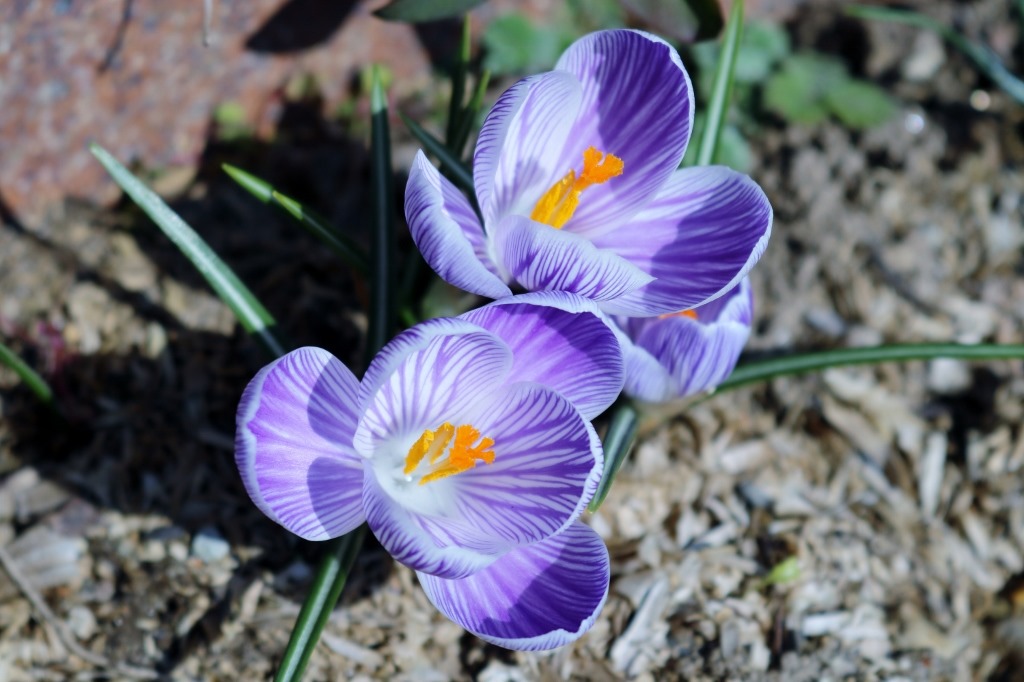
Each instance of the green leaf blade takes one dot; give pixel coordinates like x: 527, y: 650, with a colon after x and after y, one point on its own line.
x: 250, y: 312
x: 32, y: 380
x: 718, y: 106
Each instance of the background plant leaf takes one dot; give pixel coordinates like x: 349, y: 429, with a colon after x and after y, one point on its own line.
x: 415, y: 11
x: 859, y: 104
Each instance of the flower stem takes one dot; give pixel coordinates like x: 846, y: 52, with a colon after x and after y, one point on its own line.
x: 802, y: 363
x: 340, y: 553
x: 718, y: 106
x: 330, y: 579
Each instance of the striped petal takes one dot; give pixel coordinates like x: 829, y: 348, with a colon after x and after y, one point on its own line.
x: 293, y: 444
x: 542, y: 258
x: 518, y: 155
x: 440, y: 382
x: 448, y: 233
x: 536, y: 597
x: 637, y: 104
x: 397, y: 349
x: 547, y: 463
x: 559, y: 340
x: 700, y: 236
x: 439, y: 543
x: 698, y: 354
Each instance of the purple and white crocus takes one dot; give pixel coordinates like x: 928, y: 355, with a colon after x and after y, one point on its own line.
x: 467, y: 447
x: 577, y: 180
x: 682, y: 354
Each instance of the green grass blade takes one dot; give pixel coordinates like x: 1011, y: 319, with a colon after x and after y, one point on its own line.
x: 984, y: 58
x: 802, y: 363
x: 718, y: 106
x: 29, y: 376
x: 382, y: 304
x: 334, y: 568
x: 618, y: 442
x: 250, y: 312
x: 451, y: 165
x: 345, y: 248
x: 470, y: 114
x: 455, y: 111
x: 330, y: 579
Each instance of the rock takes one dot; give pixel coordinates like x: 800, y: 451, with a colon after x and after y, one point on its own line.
x: 209, y: 546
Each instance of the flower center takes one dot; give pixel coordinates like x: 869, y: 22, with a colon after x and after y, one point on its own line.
x: 444, y: 461
x: 560, y: 202
x: 682, y: 313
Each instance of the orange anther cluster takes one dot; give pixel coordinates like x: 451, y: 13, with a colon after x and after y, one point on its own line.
x: 692, y: 314
x: 462, y: 456
x: 560, y: 202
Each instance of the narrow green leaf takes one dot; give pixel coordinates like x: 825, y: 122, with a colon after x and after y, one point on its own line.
x: 802, y: 363
x: 984, y: 58
x: 718, y: 106
x: 261, y: 189
x: 382, y: 305
x: 425, y: 10
x: 618, y: 442
x: 35, y: 383
x: 330, y: 579
x: 249, y: 311
x: 451, y: 166
x: 470, y: 114
x: 455, y: 110
x: 336, y: 564
x: 345, y: 248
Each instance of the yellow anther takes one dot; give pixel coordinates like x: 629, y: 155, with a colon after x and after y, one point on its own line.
x: 462, y: 456
x: 560, y: 202
x: 692, y: 314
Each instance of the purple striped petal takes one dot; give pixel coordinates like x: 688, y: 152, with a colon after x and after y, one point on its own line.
x: 537, y: 597
x: 397, y: 349
x: 561, y: 341
x: 448, y: 233
x: 440, y: 382
x: 547, y: 463
x: 700, y: 236
x: 518, y: 155
x: 440, y: 542
x: 542, y: 258
x: 293, y: 444
x: 698, y: 354
x: 638, y: 105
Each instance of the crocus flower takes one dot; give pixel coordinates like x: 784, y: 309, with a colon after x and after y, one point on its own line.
x: 577, y: 180
x: 467, y: 447
x: 682, y: 354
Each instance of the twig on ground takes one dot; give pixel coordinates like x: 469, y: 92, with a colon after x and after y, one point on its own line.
x: 61, y: 628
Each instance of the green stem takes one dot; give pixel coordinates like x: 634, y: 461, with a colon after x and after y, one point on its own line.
x: 719, y: 104
x: 764, y: 370
x: 382, y: 307
x: 336, y: 564
x: 330, y: 579
x: 618, y: 441
x: 455, y: 111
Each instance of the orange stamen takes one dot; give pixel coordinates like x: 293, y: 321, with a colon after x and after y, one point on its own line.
x: 462, y: 456
x: 560, y: 202
x: 692, y: 314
